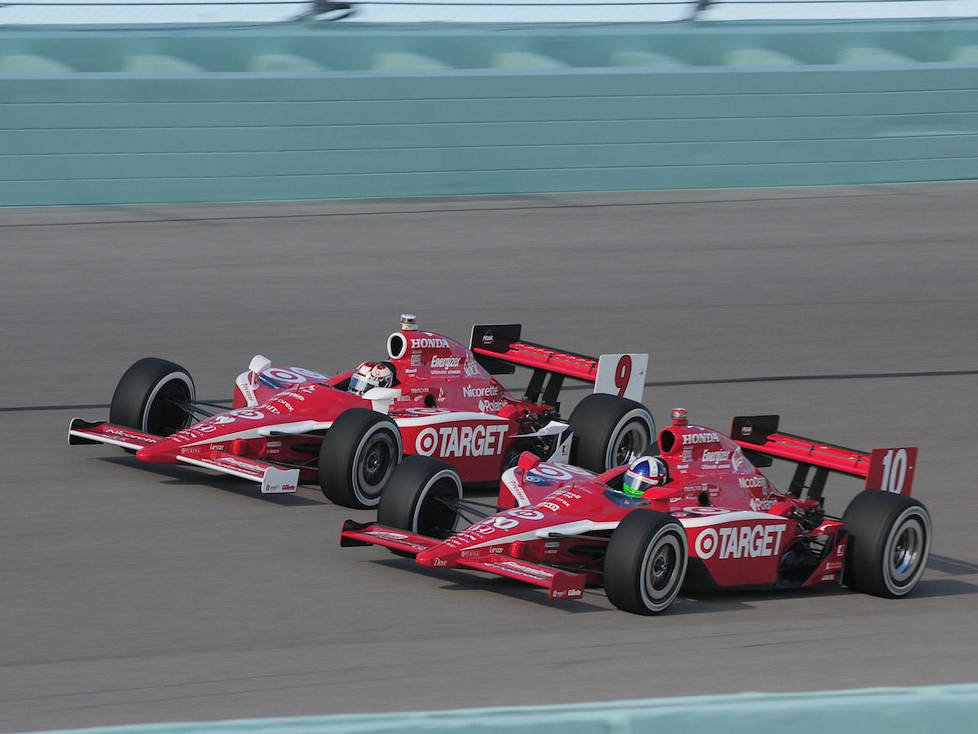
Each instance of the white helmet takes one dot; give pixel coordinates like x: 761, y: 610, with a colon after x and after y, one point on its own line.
x: 369, y: 375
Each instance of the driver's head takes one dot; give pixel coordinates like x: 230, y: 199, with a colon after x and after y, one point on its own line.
x: 369, y: 375
x: 643, y: 474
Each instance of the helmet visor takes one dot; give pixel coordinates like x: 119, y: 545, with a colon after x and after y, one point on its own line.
x: 359, y: 384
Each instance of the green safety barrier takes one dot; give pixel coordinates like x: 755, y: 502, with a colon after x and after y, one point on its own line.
x: 346, y: 111
x: 869, y: 711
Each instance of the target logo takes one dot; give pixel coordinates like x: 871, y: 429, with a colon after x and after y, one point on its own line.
x: 706, y: 543
x: 427, y: 441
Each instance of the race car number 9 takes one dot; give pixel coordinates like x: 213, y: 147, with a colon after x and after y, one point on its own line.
x: 622, y: 374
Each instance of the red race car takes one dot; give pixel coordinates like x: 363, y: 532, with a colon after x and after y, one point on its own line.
x: 431, y: 397
x: 700, y: 515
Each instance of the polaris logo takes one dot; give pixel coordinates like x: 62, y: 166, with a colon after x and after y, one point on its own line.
x: 694, y: 438
x: 425, y: 342
x: 442, y: 362
x: 746, y: 541
x: 450, y: 441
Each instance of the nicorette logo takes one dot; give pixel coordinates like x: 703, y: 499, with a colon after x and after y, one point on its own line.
x: 752, y: 482
x: 693, y: 438
x: 480, y: 392
x: 426, y: 342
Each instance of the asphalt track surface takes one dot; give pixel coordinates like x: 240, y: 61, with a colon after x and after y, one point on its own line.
x: 137, y: 595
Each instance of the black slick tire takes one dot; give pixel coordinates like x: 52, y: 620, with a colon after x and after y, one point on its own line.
x: 610, y: 431
x: 645, y: 565
x: 147, y: 395
x: 413, y: 498
x: 357, y: 457
x: 889, y: 542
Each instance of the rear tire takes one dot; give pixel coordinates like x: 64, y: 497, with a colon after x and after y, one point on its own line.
x: 889, y: 542
x: 357, y: 457
x: 411, y: 500
x: 144, y: 398
x: 610, y: 431
x: 645, y: 565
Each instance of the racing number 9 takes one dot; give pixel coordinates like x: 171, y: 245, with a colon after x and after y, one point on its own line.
x: 623, y: 373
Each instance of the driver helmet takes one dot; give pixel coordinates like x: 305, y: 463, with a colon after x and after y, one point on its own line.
x: 643, y: 474
x: 369, y: 375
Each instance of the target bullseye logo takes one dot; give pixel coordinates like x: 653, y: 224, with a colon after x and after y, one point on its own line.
x: 706, y: 543
x: 427, y: 442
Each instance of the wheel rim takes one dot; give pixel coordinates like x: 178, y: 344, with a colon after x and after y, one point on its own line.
x: 662, y: 570
x: 906, y: 551
x: 630, y: 443
x: 377, y: 460
x: 164, y: 416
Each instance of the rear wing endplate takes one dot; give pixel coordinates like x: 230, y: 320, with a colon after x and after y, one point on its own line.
x: 888, y: 469
x: 499, y: 349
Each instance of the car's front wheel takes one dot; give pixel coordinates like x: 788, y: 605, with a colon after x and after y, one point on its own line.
x: 358, y: 456
x: 421, y: 498
x: 152, y: 397
x: 645, y: 565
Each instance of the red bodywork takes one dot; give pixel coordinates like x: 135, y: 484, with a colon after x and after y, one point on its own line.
x: 742, y: 532
x: 445, y: 403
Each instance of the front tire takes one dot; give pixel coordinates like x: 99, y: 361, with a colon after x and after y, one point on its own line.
x: 418, y: 497
x: 889, y: 542
x: 148, y: 397
x: 610, y: 431
x: 357, y: 457
x: 645, y: 565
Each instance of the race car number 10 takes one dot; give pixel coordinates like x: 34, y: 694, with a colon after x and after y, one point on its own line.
x: 895, y: 464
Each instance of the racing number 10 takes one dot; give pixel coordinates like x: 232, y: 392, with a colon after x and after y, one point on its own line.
x: 623, y: 373
x: 894, y: 470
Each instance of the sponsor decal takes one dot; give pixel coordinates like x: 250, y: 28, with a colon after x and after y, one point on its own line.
x: 516, y: 567
x: 745, y: 541
x: 485, y: 391
x: 429, y: 342
x: 445, y: 362
x: 752, y: 482
x: 461, y: 441
x: 387, y: 535
x: 416, y: 359
x: 761, y: 505
x: 491, y: 406
x: 440, y: 563
x: 471, y: 368
x: 715, y: 456
x: 693, y: 438
x: 488, y: 338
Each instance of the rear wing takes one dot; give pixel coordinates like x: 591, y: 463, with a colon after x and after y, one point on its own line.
x: 499, y: 349
x: 889, y: 469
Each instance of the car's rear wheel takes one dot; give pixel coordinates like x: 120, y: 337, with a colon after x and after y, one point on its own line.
x: 152, y: 396
x: 889, y: 542
x: 358, y: 456
x: 610, y: 431
x: 645, y: 565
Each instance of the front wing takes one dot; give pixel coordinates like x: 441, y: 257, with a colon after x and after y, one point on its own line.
x: 272, y: 479
x: 559, y: 584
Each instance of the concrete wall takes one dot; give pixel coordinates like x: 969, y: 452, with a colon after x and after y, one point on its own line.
x: 162, y: 127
